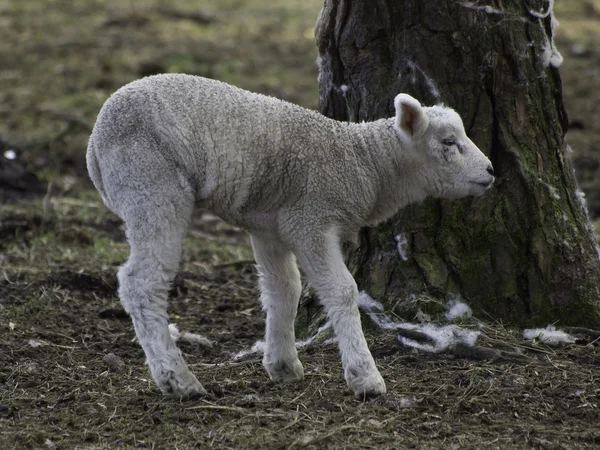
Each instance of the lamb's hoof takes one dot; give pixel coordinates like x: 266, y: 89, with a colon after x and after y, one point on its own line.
x: 181, y: 384
x: 365, y: 385
x: 285, y: 372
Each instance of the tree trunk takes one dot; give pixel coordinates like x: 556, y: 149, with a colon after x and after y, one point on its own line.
x: 524, y: 252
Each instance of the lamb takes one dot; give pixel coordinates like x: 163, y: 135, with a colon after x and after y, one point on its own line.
x: 297, y: 182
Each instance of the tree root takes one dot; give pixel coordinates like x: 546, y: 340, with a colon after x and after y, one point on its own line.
x: 594, y: 334
x: 415, y: 335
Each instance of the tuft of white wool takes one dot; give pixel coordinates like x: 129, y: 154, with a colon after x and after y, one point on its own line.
x: 543, y: 14
x: 260, y: 345
x: 185, y: 336
x: 319, y: 61
x: 401, y: 244
x: 556, y: 59
x: 580, y: 197
x: 174, y: 332
x: 550, y: 54
x: 368, y: 303
x: 445, y: 337
x: 35, y: 343
x: 384, y: 321
x: 457, y: 309
x: 553, y: 191
x: 374, y: 310
x: 503, y: 14
x: 433, y: 89
x: 549, y: 335
x: 486, y: 8
x: 310, y: 340
x: 406, y: 402
x: 344, y: 90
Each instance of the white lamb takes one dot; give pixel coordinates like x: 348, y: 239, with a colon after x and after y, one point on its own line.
x: 297, y: 181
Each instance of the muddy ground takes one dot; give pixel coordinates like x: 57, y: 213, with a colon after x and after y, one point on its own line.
x: 60, y: 248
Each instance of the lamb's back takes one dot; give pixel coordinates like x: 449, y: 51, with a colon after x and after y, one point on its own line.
x: 240, y: 150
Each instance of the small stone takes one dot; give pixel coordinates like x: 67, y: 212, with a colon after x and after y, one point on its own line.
x: 114, y: 362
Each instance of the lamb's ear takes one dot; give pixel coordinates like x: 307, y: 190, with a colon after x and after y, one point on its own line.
x: 411, y: 120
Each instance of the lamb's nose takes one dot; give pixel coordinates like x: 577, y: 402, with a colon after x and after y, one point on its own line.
x: 490, y: 170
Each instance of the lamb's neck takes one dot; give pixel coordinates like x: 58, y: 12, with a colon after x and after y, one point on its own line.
x: 399, y: 171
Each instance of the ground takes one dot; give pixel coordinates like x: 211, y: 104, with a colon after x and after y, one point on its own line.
x: 60, y: 248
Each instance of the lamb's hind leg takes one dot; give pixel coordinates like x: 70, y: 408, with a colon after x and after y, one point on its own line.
x: 280, y: 287
x: 156, y: 225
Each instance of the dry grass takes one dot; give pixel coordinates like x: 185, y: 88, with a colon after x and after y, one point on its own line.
x: 57, y: 389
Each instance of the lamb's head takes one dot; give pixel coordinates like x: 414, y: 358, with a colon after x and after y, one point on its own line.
x: 451, y: 164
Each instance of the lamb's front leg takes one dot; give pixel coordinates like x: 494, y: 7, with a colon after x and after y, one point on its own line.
x: 321, y: 258
x: 279, y: 281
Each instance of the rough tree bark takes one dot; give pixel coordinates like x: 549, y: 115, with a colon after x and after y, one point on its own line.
x: 523, y: 252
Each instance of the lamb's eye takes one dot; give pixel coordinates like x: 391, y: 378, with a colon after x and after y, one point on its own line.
x: 449, y: 142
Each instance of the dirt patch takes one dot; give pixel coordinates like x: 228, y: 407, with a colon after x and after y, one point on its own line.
x: 58, y: 388
x: 15, y: 180
x: 105, y: 285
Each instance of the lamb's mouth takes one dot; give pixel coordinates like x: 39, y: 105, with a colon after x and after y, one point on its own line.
x: 484, y: 184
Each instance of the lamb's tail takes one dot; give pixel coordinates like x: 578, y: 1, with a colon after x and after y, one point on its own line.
x: 93, y: 167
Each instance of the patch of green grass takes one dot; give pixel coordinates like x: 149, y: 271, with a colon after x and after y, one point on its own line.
x: 97, y: 46
x: 202, y: 252
x: 106, y: 249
